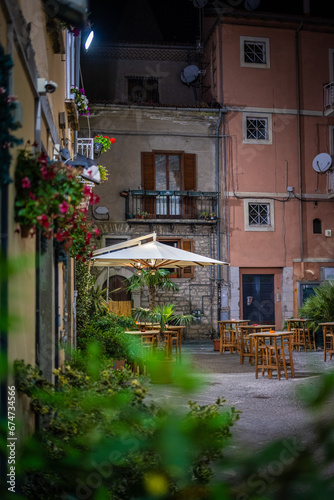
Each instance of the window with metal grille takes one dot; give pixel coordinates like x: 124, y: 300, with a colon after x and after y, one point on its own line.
x: 141, y: 89
x: 259, y: 214
x: 255, y: 52
x: 257, y: 128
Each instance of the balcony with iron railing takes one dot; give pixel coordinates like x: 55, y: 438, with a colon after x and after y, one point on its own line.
x: 329, y: 99
x: 175, y: 206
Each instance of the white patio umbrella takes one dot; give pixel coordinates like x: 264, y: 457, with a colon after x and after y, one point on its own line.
x: 150, y: 255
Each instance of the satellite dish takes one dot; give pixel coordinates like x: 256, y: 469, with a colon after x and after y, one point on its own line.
x: 252, y: 4
x: 199, y: 3
x: 190, y: 74
x: 322, y: 162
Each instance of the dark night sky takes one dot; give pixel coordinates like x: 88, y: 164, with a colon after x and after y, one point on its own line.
x: 176, y: 20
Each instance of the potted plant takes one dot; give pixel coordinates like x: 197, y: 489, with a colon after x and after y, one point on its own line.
x: 143, y: 215
x: 204, y: 215
x: 212, y: 215
x: 81, y: 101
x: 106, y: 144
x: 51, y: 198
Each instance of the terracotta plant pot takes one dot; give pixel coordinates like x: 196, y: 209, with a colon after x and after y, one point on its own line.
x: 119, y: 364
x: 160, y: 370
x: 67, y: 244
x: 216, y: 344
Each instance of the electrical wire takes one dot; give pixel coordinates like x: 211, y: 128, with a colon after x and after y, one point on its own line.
x: 87, y: 116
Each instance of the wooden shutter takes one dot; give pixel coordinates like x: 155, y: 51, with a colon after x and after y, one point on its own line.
x: 187, y: 272
x: 148, y: 181
x: 189, y: 184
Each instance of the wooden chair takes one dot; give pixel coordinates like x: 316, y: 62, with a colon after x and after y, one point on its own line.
x: 299, y: 339
x: 147, y: 343
x: 171, y: 338
x: 274, y: 355
x: 329, y: 339
x: 246, y: 346
x: 228, y: 339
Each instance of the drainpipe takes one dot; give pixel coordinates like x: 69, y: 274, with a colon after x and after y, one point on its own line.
x: 217, y: 153
x: 299, y: 149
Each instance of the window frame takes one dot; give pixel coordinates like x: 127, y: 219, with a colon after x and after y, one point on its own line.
x: 254, y: 39
x: 255, y: 116
x: 259, y: 201
x: 186, y: 272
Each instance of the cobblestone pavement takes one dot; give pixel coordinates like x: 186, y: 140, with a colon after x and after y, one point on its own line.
x: 270, y: 408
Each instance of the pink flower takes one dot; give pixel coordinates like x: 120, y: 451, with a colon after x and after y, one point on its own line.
x: 25, y: 182
x: 97, y: 231
x: 32, y: 196
x: 59, y: 236
x: 43, y: 220
x: 87, y: 190
x: 63, y: 207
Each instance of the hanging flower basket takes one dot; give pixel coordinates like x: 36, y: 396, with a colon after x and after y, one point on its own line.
x: 49, y: 197
x: 105, y: 141
x: 81, y: 101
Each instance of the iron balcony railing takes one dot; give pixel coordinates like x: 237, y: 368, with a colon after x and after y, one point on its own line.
x: 143, y: 204
x: 329, y: 96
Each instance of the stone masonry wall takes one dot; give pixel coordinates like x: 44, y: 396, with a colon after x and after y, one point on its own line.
x: 198, y: 293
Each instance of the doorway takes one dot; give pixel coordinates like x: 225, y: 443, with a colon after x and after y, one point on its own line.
x: 119, y: 299
x: 258, y: 303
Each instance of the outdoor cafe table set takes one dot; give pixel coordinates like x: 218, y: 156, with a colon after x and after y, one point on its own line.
x: 149, y: 333
x: 269, y: 350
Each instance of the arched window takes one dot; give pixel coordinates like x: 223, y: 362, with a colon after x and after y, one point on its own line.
x: 316, y: 226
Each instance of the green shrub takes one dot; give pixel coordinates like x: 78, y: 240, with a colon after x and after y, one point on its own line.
x: 108, y: 332
x: 101, y: 440
x: 320, y: 306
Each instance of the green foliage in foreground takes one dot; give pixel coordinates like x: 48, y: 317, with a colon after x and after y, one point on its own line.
x: 100, y: 439
x: 320, y: 306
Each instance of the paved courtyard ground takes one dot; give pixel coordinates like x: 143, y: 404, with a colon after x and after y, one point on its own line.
x: 270, y: 408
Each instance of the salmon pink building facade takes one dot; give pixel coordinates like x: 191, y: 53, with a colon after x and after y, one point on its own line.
x: 272, y: 76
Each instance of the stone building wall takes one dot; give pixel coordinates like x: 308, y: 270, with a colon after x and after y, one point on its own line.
x: 198, y: 293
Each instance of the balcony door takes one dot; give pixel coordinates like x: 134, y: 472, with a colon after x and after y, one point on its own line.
x: 168, y: 179
x: 167, y: 176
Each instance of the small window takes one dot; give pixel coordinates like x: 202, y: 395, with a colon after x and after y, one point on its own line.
x: 257, y: 128
x: 141, y: 89
x: 259, y: 215
x: 254, y: 52
x: 316, y: 226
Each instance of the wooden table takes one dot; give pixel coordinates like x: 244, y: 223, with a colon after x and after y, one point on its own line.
x: 328, y: 333
x: 246, y: 344
x: 302, y: 333
x: 229, y: 335
x: 271, y: 355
